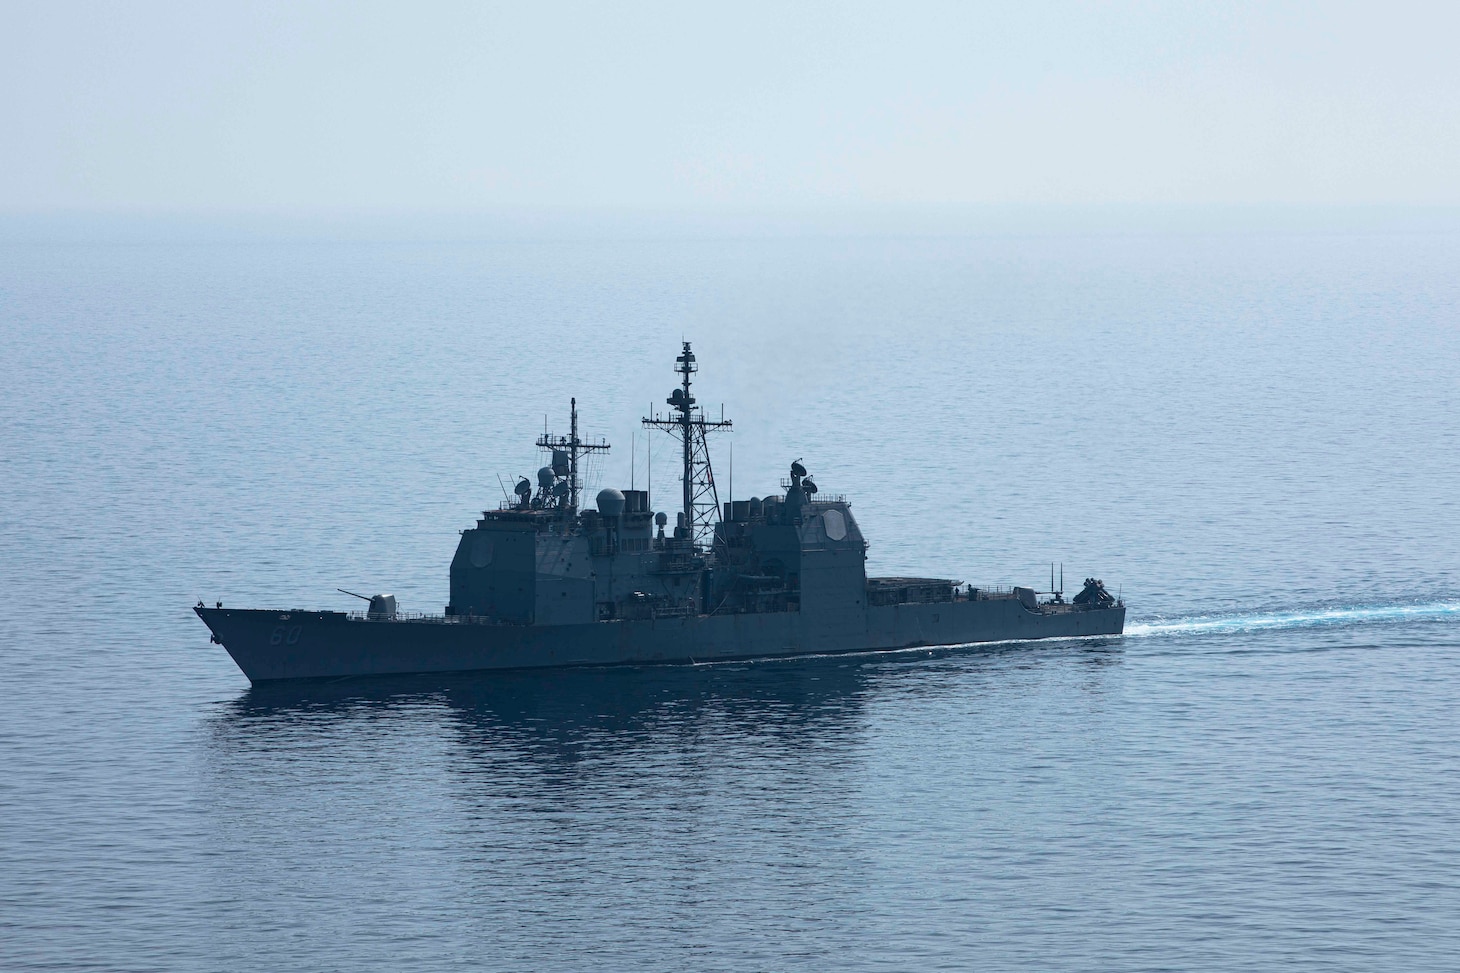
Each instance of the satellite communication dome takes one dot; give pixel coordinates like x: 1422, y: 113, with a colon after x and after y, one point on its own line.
x: 661, y: 518
x: 610, y: 502
x: 545, y: 477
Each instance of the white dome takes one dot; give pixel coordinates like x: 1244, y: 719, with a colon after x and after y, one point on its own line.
x: 610, y: 502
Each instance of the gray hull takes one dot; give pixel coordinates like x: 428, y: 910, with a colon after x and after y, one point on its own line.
x: 272, y: 645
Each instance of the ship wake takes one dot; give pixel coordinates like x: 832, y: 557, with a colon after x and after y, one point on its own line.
x: 1314, y: 618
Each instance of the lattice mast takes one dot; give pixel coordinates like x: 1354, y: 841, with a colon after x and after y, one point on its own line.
x: 701, y: 500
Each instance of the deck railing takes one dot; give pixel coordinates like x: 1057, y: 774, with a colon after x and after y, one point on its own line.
x: 400, y: 616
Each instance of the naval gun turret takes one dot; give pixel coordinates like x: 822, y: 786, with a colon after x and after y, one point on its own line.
x: 382, y: 607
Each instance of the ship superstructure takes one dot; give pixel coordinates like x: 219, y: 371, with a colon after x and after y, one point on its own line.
x: 545, y: 581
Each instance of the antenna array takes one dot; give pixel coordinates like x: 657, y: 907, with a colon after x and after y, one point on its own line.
x: 701, y: 500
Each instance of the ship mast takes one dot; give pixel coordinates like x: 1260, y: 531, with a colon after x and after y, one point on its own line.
x: 573, y: 446
x: 701, y: 510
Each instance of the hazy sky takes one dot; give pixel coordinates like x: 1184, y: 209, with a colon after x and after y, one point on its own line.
x: 200, y: 106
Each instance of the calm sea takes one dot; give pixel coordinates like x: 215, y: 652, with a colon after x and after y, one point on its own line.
x: 1253, y: 436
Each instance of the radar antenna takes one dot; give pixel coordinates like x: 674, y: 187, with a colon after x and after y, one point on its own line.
x: 573, y: 446
x: 701, y: 500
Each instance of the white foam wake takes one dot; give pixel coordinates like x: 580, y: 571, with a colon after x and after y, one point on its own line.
x: 1299, y: 619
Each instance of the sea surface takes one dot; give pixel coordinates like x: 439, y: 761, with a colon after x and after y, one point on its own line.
x: 1251, y: 434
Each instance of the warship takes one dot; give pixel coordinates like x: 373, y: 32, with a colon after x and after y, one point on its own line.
x: 541, y: 581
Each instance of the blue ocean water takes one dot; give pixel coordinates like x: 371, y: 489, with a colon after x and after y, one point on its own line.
x: 1251, y: 434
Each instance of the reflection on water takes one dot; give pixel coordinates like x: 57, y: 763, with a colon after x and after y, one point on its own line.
x: 564, y: 707
x: 795, y: 727
x: 500, y: 802
x: 593, y: 730
x: 559, y: 715
x: 702, y: 806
